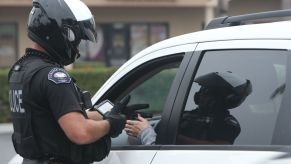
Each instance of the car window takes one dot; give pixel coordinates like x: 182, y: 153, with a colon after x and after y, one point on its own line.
x: 151, y: 86
x: 154, y: 91
x: 266, y: 70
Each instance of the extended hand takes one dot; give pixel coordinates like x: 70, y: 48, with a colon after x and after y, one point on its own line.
x: 134, y: 127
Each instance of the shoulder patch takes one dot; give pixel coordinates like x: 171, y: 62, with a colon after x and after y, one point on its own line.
x: 59, y: 76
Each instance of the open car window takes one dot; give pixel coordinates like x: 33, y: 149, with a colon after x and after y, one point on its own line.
x: 148, y: 84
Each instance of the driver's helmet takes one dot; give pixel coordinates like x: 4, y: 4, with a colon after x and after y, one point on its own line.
x: 228, y: 87
x: 59, y: 26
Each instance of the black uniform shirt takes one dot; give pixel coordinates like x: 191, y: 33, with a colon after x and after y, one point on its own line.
x: 57, y: 99
x: 197, y: 125
x: 52, y: 95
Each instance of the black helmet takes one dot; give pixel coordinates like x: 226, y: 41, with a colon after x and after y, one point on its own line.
x: 59, y: 26
x: 230, y: 87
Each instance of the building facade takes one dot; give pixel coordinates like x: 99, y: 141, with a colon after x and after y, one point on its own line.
x: 125, y: 26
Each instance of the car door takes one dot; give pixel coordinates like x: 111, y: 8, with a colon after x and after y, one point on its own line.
x: 262, y: 114
x: 151, y: 82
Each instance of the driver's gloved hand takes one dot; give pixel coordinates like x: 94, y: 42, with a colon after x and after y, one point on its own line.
x: 116, y: 119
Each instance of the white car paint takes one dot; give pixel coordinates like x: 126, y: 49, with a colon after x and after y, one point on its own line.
x: 245, y: 44
x: 188, y: 157
x: 126, y: 157
x: 215, y: 157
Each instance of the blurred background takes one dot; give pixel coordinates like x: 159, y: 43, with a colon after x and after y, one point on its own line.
x: 124, y: 27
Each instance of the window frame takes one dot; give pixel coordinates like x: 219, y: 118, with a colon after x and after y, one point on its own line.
x: 280, y: 136
x: 16, y: 45
x: 192, y: 71
x: 122, y: 88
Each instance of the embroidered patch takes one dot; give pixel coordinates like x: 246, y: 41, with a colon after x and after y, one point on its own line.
x: 59, y: 76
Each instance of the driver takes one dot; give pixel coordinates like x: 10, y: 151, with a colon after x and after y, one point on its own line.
x: 211, y: 122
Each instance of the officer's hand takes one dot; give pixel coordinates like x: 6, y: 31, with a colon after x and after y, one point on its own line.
x: 116, y: 119
x: 117, y: 123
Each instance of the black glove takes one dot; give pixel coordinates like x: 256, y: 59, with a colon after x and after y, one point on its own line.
x: 116, y: 119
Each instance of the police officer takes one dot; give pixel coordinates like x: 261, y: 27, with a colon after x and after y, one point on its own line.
x: 211, y: 122
x: 50, y: 122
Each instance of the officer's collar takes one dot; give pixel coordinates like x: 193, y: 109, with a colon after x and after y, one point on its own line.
x: 37, y: 53
x: 34, y: 52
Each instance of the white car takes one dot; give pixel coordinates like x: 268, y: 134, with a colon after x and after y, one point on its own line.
x: 162, y: 76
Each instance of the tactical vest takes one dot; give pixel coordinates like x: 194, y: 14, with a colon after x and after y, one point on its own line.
x: 19, y: 79
x: 23, y: 137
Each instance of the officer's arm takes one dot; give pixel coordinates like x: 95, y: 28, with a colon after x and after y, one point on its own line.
x: 83, y: 131
x: 94, y: 115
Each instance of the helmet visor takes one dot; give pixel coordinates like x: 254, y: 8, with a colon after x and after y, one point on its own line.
x: 88, y: 29
x: 88, y: 38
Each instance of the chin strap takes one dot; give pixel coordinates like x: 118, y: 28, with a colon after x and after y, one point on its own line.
x: 74, y: 52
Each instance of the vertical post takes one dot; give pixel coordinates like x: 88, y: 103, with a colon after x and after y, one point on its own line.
x: 209, y: 14
x: 286, y: 4
x: 210, y: 11
x: 222, y: 7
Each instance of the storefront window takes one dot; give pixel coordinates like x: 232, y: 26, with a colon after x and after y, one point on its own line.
x: 8, y: 44
x: 158, y: 32
x: 138, y: 38
x: 117, y: 42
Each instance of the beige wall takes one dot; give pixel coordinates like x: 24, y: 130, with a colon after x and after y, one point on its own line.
x: 237, y: 7
x: 19, y: 16
x: 181, y: 20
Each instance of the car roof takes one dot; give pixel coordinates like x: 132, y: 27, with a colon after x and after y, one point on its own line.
x: 270, y: 31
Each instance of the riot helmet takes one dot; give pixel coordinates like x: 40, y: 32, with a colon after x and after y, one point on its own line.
x: 227, y: 87
x: 60, y: 27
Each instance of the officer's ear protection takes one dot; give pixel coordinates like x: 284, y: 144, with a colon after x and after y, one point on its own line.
x: 73, y: 38
x: 72, y: 35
